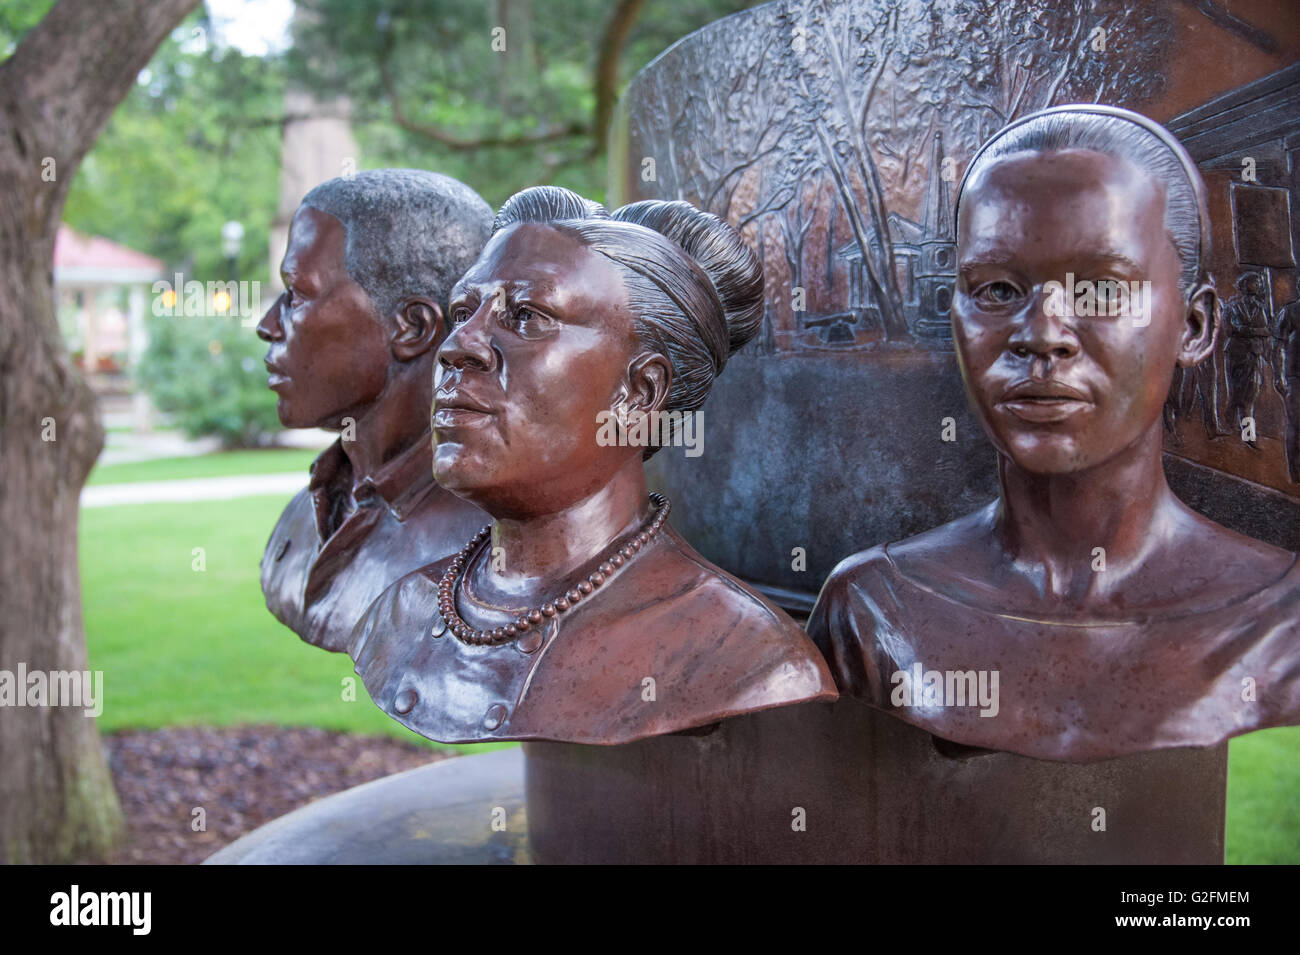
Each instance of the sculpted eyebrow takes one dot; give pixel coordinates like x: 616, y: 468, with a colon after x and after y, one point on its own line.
x: 1075, y: 263
x: 465, y: 289
x: 972, y: 266
x: 991, y: 257
x: 532, y: 292
x: 1110, y: 258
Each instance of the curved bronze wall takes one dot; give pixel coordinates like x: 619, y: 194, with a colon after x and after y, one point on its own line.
x: 834, y: 135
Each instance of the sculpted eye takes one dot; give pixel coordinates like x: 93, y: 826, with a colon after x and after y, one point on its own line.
x: 996, y: 294
x: 1109, y: 292
x: 460, y: 314
x: 530, y: 323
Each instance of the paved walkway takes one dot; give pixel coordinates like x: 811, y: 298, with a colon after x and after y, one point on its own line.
x: 122, y: 447
x: 194, y: 489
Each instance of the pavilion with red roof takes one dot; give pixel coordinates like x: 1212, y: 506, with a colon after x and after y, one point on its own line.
x: 93, y: 278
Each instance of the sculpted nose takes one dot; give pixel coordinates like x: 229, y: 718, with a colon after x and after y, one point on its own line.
x: 268, y: 329
x: 470, y: 342
x: 1045, y: 328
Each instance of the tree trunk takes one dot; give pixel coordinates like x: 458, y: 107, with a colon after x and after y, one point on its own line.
x: 57, y: 91
x: 518, y: 71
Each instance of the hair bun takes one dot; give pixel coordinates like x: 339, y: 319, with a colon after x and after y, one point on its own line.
x: 718, y: 250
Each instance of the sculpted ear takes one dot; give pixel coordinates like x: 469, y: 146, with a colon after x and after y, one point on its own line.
x: 418, y: 328
x: 643, y: 391
x: 1200, y: 326
x: 649, y: 378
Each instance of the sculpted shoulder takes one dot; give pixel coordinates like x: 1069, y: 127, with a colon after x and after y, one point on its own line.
x: 928, y: 557
x: 710, y: 623
x: 877, y: 606
x: 1257, y: 562
x: 850, y: 571
x: 282, y: 572
x: 399, y: 613
x: 290, y: 519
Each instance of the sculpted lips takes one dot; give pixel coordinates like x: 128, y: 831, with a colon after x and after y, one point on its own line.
x: 451, y: 408
x: 1043, y: 402
x: 274, y: 376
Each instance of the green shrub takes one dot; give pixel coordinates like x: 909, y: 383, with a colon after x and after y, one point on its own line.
x: 207, y: 373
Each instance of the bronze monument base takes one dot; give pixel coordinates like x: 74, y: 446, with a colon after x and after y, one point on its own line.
x: 843, y: 783
x: 871, y: 789
x: 464, y: 811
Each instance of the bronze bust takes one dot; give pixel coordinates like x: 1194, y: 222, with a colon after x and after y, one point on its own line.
x: 370, y: 261
x: 579, y: 615
x: 1087, y: 613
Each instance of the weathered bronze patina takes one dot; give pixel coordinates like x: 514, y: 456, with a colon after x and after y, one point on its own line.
x: 833, y: 135
x: 844, y: 783
x: 582, y: 616
x: 1086, y: 613
x: 370, y: 261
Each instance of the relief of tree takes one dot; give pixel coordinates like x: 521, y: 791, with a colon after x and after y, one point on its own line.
x: 802, y: 99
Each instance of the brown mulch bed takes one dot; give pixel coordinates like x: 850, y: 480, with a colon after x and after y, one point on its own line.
x: 241, y: 777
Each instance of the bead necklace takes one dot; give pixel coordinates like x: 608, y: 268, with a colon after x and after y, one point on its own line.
x: 532, y: 618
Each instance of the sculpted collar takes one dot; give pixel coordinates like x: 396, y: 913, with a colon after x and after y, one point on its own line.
x: 1059, y: 689
x: 400, y: 484
x: 710, y: 648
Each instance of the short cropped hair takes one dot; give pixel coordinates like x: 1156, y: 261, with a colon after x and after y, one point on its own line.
x: 409, y: 232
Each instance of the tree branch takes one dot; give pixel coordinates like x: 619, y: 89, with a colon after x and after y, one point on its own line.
x: 605, y: 79
x: 69, y: 73
x: 461, y: 143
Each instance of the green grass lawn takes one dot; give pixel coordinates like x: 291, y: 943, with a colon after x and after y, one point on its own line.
x: 223, y: 464
x: 1264, y: 797
x: 186, y: 647
x: 182, y: 647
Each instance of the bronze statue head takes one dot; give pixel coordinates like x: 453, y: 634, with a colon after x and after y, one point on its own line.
x: 571, y: 317
x: 587, y: 600
x: 1087, y: 585
x: 370, y: 260
x: 351, y: 346
x: 1081, y: 286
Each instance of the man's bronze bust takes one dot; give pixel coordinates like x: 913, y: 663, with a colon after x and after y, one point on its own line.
x: 370, y: 261
x: 1087, y: 613
x: 579, y: 615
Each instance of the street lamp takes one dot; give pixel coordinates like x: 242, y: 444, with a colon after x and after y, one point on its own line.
x: 232, y: 237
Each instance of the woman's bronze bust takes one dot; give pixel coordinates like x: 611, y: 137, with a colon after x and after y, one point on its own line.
x: 1095, y: 612
x: 579, y: 615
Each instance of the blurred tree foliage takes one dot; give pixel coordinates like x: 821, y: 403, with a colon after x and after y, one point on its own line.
x: 196, y: 144
x: 431, y: 86
x: 16, y: 18
x: 500, y: 94
x: 208, y: 374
